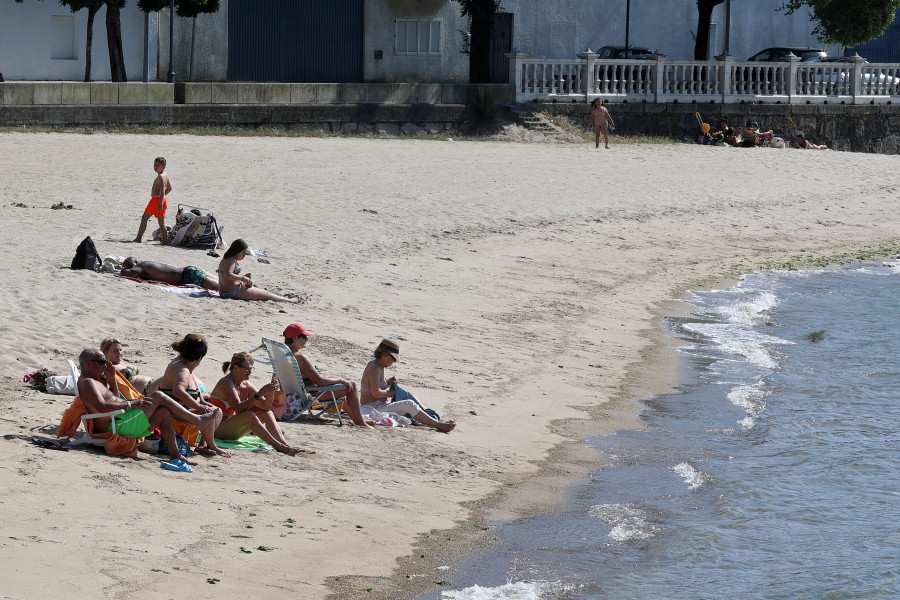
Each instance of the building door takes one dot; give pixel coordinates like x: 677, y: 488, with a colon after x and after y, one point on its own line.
x: 501, y: 43
x: 295, y: 41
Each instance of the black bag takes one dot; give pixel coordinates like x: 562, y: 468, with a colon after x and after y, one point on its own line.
x: 86, y: 256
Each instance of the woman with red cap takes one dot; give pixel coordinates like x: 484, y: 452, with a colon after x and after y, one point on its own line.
x: 295, y: 337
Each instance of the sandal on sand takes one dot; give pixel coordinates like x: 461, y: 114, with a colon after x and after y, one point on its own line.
x: 50, y: 443
x: 176, y: 465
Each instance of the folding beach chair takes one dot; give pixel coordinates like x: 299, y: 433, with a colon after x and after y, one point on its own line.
x: 320, y: 399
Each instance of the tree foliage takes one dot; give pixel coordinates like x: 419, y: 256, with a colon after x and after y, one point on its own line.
x: 183, y: 8
x: 704, y: 21
x: 847, y: 22
x: 482, y: 18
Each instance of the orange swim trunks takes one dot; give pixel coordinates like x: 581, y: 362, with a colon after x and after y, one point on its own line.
x: 153, y: 207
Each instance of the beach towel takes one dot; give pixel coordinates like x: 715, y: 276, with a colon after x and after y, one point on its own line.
x: 191, y: 290
x: 248, y: 442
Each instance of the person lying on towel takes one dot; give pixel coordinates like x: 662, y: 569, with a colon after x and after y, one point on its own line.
x: 170, y: 274
x: 141, y: 416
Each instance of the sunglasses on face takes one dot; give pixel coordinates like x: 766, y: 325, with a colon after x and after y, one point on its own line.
x: 248, y: 369
x: 97, y: 360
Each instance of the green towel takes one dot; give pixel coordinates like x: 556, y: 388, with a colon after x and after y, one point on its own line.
x: 248, y: 442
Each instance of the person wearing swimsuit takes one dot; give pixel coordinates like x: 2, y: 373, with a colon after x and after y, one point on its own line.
x: 234, y: 286
x: 180, y: 383
x: 376, y: 392
x: 245, y: 406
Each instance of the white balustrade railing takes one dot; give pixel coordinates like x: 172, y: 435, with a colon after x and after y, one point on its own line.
x: 726, y: 80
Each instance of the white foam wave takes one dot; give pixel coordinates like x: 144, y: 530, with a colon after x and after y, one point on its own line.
x: 693, y: 477
x: 628, y: 522
x: 510, y: 591
x: 752, y: 398
x: 740, y: 341
x: 751, y: 310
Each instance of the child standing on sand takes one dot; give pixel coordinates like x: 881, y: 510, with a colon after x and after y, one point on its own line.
x: 158, y: 203
x: 602, y: 122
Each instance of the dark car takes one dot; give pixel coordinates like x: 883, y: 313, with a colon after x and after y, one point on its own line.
x: 805, y: 54
x: 617, y: 52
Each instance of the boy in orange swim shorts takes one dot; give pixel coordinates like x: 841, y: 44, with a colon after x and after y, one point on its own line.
x: 158, y: 203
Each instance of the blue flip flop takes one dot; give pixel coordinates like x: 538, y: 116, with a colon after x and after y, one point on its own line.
x: 176, y: 465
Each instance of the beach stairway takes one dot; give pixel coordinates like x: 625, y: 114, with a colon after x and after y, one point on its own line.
x: 535, y: 121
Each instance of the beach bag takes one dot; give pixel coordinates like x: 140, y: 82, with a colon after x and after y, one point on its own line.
x: 61, y: 384
x: 296, y: 406
x: 86, y: 256
x: 183, y: 446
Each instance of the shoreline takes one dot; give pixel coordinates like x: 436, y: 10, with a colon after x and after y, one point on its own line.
x: 526, y: 295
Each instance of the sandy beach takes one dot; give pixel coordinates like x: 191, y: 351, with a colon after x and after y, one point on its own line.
x: 524, y: 281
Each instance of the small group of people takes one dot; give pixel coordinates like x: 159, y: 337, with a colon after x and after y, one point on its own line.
x: 235, y: 407
x: 229, y: 282
x: 750, y: 136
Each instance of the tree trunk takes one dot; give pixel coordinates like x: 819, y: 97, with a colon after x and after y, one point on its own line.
x: 704, y: 19
x: 114, y: 41
x: 92, y: 12
x: 482, y: 32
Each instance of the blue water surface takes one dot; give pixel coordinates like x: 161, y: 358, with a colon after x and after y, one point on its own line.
x: 773, y: 472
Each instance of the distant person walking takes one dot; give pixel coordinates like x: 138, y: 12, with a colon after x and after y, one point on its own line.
x: 602, y: 122
x: 158, y: 203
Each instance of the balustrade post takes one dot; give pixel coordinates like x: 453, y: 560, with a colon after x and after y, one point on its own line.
x: 590, y: 59
x: 856, y: 76
x: 515, y: 70
x: 792, y: 75
x: 658, y: 77
x: 725, y: 69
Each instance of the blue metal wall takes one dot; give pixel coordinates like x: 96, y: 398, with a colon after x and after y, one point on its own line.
x: 297, y: 41
x: 883, y: 49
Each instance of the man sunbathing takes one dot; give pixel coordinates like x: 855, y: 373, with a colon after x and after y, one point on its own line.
x: 140, y: 416
x: 170, y: 274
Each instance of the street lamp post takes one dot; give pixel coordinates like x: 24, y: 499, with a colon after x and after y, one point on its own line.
x: 727, y: 28
x: 171, y: 78
x: 627, y: 23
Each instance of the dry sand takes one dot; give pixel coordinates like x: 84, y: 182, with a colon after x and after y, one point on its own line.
x: 524, y: 281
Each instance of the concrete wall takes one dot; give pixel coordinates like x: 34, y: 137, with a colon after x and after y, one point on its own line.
x: 210, y: 50
x: 27, y: 41
x: 561, y: 28
x: 450, y: 67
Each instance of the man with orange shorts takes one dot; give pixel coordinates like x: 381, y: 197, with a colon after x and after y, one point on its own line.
x: 158, y: 203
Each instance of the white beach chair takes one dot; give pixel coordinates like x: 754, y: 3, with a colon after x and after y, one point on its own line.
x: 322, y: 398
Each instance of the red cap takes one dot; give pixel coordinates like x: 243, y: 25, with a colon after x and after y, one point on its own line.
x: 295, y: 330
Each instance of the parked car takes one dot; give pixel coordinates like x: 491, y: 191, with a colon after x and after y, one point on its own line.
x: 777, y: 53
x: 617, y: 52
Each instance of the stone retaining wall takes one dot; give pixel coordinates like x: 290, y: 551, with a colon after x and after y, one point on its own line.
x: 859, y: 128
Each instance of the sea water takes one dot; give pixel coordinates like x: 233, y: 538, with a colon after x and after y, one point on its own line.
x: 773, y: 473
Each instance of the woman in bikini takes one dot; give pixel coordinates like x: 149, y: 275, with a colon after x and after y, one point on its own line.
x: 180, y: 383
x: 376, y: 392
x: 235, y: 286
x: 112, y: 349
x: 246, y: 408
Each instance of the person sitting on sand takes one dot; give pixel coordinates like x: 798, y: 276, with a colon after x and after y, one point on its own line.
x: 376, y: 393
x: 296, y: 338
x: 112, y: 349
x: 235, y: 286
x: 140, y: 416
x: 804, y: 144
x: 762, y: 138
x: 246, y: 408
x: 170, y: 274
x: 180, y: 383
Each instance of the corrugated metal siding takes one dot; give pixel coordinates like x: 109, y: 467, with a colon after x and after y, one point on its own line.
x: 883, y: 49
x: 314, y: 41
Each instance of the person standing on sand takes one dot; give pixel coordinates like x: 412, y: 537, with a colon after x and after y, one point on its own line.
x: 158, y: 203
x: 602, y: 121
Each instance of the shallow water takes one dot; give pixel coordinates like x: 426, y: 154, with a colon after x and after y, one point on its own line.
x: 773, y: 473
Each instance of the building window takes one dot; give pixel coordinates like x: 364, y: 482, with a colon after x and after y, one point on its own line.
x: 62, y: 38
x: 417, y: 37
